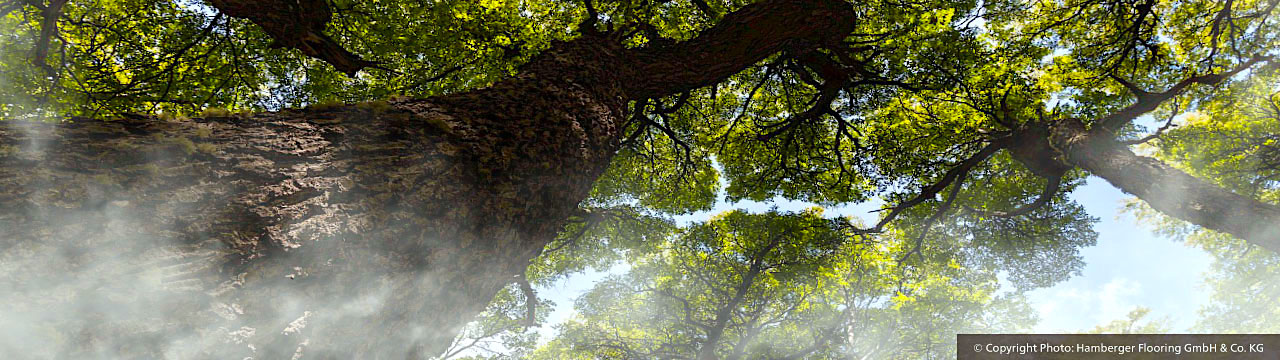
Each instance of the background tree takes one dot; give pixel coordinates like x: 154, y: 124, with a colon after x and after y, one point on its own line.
x: 1130, y: 324
x: 1230, y: 140
x: 785, y: 286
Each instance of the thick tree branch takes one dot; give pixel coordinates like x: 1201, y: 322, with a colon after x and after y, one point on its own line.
x: 821, y: 106
x: 48, y: 28
x: 530, y: 301
x: 937, y: 215
x: 740, y: 39
x: 931, y: 192
x: 1169, y: 190
x: 588, y: 25
x: 725, y: 312
x: 835, y: 78
x: 705, y: 8
x: 297, y: 24
x: 1149, y: 101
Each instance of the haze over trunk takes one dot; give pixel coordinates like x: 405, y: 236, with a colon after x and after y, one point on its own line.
x: 369, y: 231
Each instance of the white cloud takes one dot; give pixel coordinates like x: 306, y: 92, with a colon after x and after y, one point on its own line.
x: 1076, y: 308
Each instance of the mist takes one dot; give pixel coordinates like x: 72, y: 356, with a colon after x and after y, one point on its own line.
x: 85, y: 274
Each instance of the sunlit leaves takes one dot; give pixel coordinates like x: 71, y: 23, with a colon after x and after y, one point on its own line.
x: 181, y: 56
x: 776, y: 285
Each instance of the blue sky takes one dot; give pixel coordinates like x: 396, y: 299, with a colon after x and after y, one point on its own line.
x: 1127, y: 268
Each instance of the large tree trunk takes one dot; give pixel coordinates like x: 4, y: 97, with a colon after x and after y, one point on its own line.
x: 384, y: 225
x: 1167, y: 189
x: 366, y: 231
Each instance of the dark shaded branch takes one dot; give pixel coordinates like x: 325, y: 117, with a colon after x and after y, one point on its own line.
x: 821, y: 106
x: 748, y: 336
x: 938, y: 213
x: 530, y: 301
x: 437, y: 77
x: 1215, y: 33
x: 297, y: 24
x: 725, y: 312
x: 588, y: 25
x: 740, y: 39
x: 686, y: 306
x: 1134, y: 89
x: 706, y: 9
x: 587, y: 220
x: 930, y: 192
x: 1168, y: 124
x: 48, y: 28
x: 1149, y: 101
x: 638, y: 118
x: 835, y: 77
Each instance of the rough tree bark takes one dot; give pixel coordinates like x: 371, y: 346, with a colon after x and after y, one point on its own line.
x: 366, y: 231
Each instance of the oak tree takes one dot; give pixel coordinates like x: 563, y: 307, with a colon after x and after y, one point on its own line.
x: 268, y: 174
